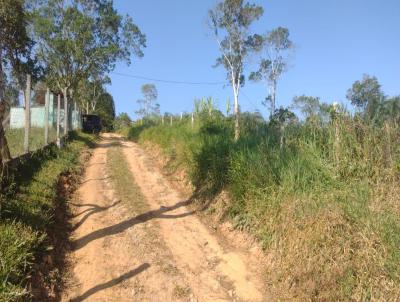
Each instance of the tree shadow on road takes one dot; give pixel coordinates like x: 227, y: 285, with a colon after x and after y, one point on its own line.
x: 124, y: 225
x: 93, y: 209
x: 111, y: 283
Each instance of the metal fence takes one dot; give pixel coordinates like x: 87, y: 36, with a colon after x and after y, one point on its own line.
x: 41, y: 117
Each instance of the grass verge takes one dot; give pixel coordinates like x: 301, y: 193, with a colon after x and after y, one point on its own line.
x: 324, y: 205
x: 29, y: 218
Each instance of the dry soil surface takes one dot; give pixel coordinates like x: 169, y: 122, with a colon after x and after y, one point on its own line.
x: 163, y: 254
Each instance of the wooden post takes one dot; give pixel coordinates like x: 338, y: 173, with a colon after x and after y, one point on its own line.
x: 171, y: 120
x: 58, y: 119
x: 27, y: 112
x: 46, y: 117
x: 162, y: 119
x: 75, y: 115
x: 192, y: 119
x: 65, y: 91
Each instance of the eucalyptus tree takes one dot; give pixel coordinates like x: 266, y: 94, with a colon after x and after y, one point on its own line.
x: 312, y: 108
x: 148, y: 105
x: 366, y: 95
x: 230, y: 22
x: 15, y: 56
x: 277, y: 47
x: 79, y: 38
x: 89, y: 91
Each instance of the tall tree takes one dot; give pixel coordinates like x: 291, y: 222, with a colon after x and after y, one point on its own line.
x: 366, y: 95
x: 78, y: 38
x: 148, y: 105
x: 230, y: 22
x: 312, y: 108
x: 278, y: 48
x: 15, y: 46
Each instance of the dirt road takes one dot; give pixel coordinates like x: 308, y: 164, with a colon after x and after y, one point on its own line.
x: 153, y: 247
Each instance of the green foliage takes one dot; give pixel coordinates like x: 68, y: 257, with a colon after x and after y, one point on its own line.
x: 324, y: 204
x: 366, y: 95
x: 80, y: 39
x: 27, y: 214
x: 106, y: 110
x: 122, y: 121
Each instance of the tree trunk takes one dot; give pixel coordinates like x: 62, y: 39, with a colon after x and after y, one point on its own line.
x: 4, y: 151
x: 237, y: 113
x: 273, y: 98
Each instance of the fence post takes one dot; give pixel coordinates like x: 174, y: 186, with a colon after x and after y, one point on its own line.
x: 58, y: 119
x: 171, y: 120
x: 162, y: 119
x: 27, y: 112
x: 75, y: 119
x: 46, y: 117
x: 65, y: 91
x: 181, y: 115
x: 192, y: 119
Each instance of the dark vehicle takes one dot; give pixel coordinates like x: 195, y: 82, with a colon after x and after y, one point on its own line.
x: 91, y: 123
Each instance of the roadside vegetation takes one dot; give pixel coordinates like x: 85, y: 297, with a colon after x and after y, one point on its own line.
x: 321, y: 194
x: 28, y: 216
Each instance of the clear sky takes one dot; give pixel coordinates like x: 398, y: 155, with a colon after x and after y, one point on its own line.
x: 337, y: 41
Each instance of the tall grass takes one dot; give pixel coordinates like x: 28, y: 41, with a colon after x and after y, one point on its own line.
x: 27, y: 215
x: 325, y: 206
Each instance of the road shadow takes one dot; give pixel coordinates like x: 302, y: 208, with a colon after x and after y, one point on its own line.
x: 93, y: 209
x: 124, y: 225
x: 111, y: 283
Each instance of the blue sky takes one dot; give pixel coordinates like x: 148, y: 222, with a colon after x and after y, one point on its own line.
x: 337, y: 41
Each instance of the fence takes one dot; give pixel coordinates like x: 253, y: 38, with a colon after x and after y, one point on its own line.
x: 39, y: 118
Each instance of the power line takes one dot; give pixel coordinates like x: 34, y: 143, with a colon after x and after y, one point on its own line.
x: 249, y: 100
x: 167, y: 81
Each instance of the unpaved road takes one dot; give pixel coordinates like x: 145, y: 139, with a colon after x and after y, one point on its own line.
x: 165, y: 253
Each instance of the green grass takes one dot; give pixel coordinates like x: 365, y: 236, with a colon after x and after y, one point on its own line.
x: 124, y: 185
x: 324, y: 207
x: 27, y: 215
x: 15, y: 139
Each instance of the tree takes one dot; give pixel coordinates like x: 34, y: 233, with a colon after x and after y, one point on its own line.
x: 148, y: 105
x: 15, y: 46
x: 89, y: 91
x: 283, y: 117
x: 230, y: 22
x: 78, y: 39
x: 106, y: 110
x: 312, y: 108
x: 122, y: 120
x: 278, y: 47
x: 366, y: 95
x: 389, y: 110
